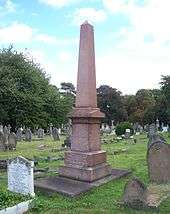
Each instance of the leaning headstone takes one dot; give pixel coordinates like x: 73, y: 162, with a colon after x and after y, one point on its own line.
x: 12, y: 141
x: 19, y: 134
x: 158, y: 158
x: 40, y: 133
x: 20, y: 176
x: 134, y: 195
x: 55, y: 134
x: 28, y: 135
x: 156, y: 138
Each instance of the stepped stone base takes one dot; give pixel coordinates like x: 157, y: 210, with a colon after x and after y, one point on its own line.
x: 85, y: 166
x: 74, y: 188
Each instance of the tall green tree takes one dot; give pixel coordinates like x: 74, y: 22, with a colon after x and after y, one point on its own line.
x: 110, y: 102
x: 25, y: 92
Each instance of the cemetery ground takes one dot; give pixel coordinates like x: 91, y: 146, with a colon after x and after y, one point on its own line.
x: 104, y: 199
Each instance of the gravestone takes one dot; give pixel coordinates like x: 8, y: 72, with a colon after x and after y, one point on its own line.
x: 1, y: 128
x: 28, y: 135
x: 20, y: 176
x: 9, y: 129
x: 154, y: 136
x: 40, y: 133
x: 51, y: 130
x: 165, y: 129
x: 12, y: 141
x: 55, y: 134
x: 127, y: 133
x: 19, y: 134
x: 152, y: 130
x: 134, y: 195
x: 158, y: 158
x: 6, y: 133
x: 67, y: 142
x: 2, y: 142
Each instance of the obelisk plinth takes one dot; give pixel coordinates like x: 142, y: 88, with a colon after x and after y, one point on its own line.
x: 86, y: 161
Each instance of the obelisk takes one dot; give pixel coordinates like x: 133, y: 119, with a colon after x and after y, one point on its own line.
x: 86, y: 161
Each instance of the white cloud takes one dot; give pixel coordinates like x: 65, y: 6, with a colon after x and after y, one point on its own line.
x: 53, y: 40
x: 16, y: 33
x: 7, y: 6
x: 90, y: 14
x: 22, y: 33
x: 129, y: 73
x: 58, y: 3
x: 150, y: 18
x: 135, y: 63
x: 46, y: 39
x: 64, y: 56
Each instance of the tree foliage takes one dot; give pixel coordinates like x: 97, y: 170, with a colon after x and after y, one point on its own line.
x: 26, y: 96
x: 111, y: 103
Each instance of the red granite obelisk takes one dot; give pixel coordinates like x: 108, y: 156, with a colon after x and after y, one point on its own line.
x: 86, y: 161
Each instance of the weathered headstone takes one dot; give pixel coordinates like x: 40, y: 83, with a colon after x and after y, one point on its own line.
x: 6, y: 133
x: 20, y: 176
x: 152, y: 130
x: 154, y: 136
x: 55, y: 134
x: 28, y: 135
x: 2, y: 142
x: 67, y: 142
x: 158, y: 158
x: 127, y: 133
x: 9, y: 129
x: 1, y: 128
x: 51, y: 129
x: 12, y: 141
x: 19, y: 134
x: 40, y: 133
x: 134, y: 195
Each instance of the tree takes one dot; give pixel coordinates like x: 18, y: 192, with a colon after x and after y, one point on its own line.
x: 25, y: 91
x: 111, y: 103
x: 165, y: 87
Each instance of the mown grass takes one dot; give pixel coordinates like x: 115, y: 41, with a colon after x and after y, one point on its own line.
x: 103, y: 199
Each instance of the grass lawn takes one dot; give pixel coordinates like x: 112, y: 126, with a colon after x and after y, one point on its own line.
x: 99, y: 200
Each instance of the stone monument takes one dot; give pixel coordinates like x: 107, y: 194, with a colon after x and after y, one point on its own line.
x: 20, y: 176
x: 158, y: 158
x: 85, y: 164
x: 86, y: 161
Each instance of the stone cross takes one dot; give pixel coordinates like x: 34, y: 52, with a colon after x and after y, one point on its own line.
x: 20, y: 176
x: 86, y: 161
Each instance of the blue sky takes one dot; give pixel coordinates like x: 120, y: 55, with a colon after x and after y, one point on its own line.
x: 132, y: 38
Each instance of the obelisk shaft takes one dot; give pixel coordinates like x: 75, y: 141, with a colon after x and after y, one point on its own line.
x: 86, y: 161
x: 86, y: 80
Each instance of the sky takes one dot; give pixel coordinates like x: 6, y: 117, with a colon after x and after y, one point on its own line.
x: 132, y: 38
